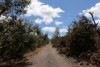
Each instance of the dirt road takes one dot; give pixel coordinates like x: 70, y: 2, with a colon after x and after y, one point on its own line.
x: 49, y: 57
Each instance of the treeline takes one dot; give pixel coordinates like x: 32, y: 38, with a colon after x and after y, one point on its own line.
x: 17, y: 36
x: 81, y: 42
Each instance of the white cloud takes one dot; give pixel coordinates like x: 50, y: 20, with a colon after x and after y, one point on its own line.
x: 46, y: 12
x: 38, y: 21
x: 58, y: 23
x: 63, y: 30
x: 49, y: 29
x: 53, y: 29
x: 95, y: 9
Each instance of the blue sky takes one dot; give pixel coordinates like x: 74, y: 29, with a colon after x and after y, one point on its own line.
x: 49, y: 14
x: 71, y: 7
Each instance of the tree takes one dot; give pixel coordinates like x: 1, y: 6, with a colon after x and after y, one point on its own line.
x: 42, y: 39
x: 56, y: 33
x: 46, y: 39
x: 56, y: 38
x: 81, y: 36
x: 13, y: 7
x: 16, y: 39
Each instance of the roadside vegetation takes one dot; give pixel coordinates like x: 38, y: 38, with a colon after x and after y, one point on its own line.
x: 17, y: 36
x: 82, y: 41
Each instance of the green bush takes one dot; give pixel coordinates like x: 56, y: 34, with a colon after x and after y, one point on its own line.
x: 16, y: 39
x: 81, y: 37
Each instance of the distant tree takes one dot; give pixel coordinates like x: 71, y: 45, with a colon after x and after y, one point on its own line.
x: 46, y: 39
x: 56, y: 33
x: 42, y: 39
x: 56, y: 38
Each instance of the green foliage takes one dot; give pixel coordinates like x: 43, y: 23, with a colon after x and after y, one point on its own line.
x: 14, y: 7
x: 82, y: 41
x: 42, y: 39
x: 81, y: 36
x: 16, y: 39
x: 97, y: 38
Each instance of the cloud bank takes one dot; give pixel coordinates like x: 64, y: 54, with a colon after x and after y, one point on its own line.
x: 44, y: 12
x: 95, y: 9
x: 58, y: 23
x: 53, y: 29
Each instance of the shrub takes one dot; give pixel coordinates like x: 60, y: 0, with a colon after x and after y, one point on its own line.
x: 15, y: 39
x: 81, y: 37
